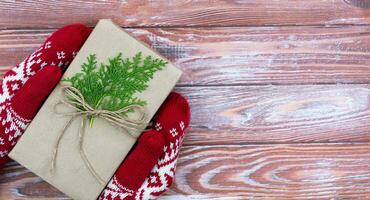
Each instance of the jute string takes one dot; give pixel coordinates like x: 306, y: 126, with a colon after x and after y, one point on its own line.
x: 73, y: 98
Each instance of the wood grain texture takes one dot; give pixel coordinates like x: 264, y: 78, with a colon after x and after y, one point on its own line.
x: 322, y: 171
x: 311, y: 171
x: 278, y: 114
x: 54, y: 13
x: 242, y: 55
x: 279, y: 91
x: 359, y: 3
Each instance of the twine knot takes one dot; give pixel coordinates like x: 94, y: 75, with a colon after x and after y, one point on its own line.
x: 73, y: 98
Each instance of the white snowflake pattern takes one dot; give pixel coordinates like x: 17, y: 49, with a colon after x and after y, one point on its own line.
x: 52, y: 64
x: 182, y: 125
x: 47, y: 45
x: 153, y: 179
x: 3, y: 153
x: 158, y: 126
x: 43, y: 64
x: 61, y: 55
x: 1, y: 141
x: 173, y: 132
x: 15, y: 86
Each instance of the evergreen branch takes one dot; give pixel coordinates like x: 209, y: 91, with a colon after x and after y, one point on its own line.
x: 112, y: 86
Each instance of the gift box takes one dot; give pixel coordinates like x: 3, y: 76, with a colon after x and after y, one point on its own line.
x: 76, y: 147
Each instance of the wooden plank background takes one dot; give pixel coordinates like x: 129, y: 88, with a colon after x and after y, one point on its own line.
x: 279, y: 91
x: 179, y: 13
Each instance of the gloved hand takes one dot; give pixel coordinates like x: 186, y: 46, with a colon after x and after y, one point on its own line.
x: 25, y: 87
x: 149, y: 169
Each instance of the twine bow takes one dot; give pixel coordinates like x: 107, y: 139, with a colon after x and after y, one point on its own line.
x: 73, y: 98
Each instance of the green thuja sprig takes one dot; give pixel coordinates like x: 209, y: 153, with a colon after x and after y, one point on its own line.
x: 112, y: 86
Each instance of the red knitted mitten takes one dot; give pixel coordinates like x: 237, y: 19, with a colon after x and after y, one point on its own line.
x: 139, y: 177
x: 58, y: 51
x: 18, y: 112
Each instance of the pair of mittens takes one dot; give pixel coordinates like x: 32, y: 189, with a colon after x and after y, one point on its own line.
x: 146, y: 173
